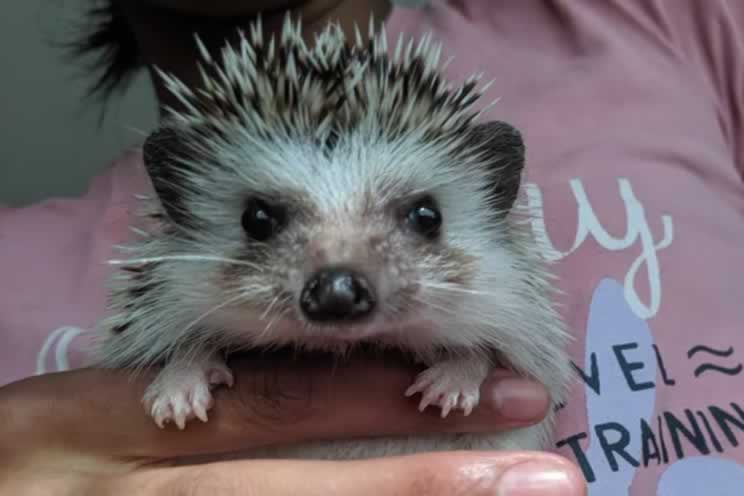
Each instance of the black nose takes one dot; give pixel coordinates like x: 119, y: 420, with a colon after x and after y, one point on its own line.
x: 337, y: 295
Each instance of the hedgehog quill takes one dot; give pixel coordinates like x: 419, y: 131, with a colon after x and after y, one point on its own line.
x: 326, y: 196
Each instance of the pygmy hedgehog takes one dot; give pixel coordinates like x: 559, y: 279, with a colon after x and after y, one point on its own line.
x: 325, y: 196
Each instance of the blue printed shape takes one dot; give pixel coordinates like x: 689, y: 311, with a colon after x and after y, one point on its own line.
x: 702, y: 475
x: 614, y: 329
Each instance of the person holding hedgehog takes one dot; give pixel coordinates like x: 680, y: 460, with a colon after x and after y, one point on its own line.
x: 608, y: 96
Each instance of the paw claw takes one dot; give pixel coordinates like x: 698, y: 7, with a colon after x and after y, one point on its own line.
x: 201, y: 404
x: 201, y: 414
x: 468, y: 404
x: 181, y: 422
x: 220, y: 375
x: 181, y: 395
x: 449, y: 386
x: 160, y: 412
x: 160, y: 421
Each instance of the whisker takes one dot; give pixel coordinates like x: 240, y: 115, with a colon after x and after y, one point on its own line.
x: 183, y: 258
x: 430, y: 304
x: 274, y: 319
x: 267, y: 328
x: 454, y: 289
x: 269, y: 307
x: 209, y: 312
x: 469, y: 313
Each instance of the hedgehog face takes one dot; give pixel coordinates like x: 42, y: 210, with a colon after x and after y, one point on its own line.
x: 368, y: 239
x: 342, y: 193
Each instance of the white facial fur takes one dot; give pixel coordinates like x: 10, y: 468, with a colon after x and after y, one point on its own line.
x: 345, y: 209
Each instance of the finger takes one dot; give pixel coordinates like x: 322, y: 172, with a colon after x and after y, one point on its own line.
x: 442, y: 474
x: 101, y: 411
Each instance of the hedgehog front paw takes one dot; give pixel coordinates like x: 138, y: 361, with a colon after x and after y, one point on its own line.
x: 451, y: 385
x: 183, y: 392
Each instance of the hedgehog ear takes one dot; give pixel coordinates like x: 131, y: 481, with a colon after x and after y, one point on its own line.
x: 163, y: 153
x: 503, y: 148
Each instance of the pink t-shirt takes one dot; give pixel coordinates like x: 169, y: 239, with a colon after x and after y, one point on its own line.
x: 633, y: 115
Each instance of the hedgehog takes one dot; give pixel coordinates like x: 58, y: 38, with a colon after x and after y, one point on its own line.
x: 326, y: 196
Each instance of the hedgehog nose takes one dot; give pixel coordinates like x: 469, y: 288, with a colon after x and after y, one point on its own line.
x: 337, y: 295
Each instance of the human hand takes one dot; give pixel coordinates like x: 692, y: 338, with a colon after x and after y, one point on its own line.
x: 85, y: 432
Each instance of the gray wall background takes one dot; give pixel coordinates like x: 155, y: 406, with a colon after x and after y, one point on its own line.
x: 51, y: 143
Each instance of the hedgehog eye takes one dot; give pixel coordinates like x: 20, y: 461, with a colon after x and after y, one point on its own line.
x: 261, y: 221
x: 425, y: 218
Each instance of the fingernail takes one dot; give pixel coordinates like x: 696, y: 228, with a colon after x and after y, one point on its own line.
x: 537, y: 479
x: 519, y: 399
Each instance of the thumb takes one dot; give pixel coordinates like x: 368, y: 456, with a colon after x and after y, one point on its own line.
x: 445, y: 474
